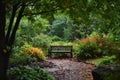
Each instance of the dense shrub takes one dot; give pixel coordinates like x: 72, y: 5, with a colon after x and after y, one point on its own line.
x: 25, y: 55
x: 28, y: 73
x: 18, y: 58
x: 96, y: 46
x: 35, y: 53
x: 115, y: 51
x: 110, y: 47
x: 87, y: 50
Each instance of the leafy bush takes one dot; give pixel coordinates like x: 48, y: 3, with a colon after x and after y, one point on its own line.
x: 35, y: 53
x: 28, y: 73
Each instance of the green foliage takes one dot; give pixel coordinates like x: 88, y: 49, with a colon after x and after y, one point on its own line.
x: 31, y: 33
x: 28, y: 73
x: 29, y: 30
x: 58, y: 26
x: 18, y: 58
x: 62, y: 27
x: 41, y: 41
x: 108, y: 60
x: 25, y: 32
x: 35, y: 53
x: 39, y: 24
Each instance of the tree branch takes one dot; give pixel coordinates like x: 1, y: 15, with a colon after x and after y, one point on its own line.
x: 2, y: 23
x: 11, y: 22
x: 43, y: 12
x: 12, y: 37
x: 37, y: 13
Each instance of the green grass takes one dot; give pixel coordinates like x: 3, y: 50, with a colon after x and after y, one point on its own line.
x: 96, y: 61
x: 103, y: 60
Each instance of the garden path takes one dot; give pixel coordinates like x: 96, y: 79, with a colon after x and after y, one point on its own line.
x: 66, y: 69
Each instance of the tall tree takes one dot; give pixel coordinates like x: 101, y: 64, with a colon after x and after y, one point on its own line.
x: 8, y: 39
x: 3, y: 60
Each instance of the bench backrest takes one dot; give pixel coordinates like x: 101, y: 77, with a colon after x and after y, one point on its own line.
x: 60, y: 49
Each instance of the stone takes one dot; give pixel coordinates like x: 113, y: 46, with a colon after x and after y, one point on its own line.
x: 107, y: 72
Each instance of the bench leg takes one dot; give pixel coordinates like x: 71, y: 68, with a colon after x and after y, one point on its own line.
x: 71, y: 55
x: 50, y: 54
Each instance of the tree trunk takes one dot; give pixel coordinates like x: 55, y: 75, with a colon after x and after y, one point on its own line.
x: 3, y: 66
x: 3, y: 53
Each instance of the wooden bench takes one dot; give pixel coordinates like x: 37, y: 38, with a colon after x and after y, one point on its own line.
x: 60, y: 49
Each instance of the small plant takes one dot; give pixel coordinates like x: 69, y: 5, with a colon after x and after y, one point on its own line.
x: 35, y: 53
x: 28, y: 73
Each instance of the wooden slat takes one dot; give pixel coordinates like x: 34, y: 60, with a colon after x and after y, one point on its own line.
x: 60, y: 49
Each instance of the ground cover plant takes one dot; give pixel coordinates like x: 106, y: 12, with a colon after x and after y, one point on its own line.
x: 28, y: 73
